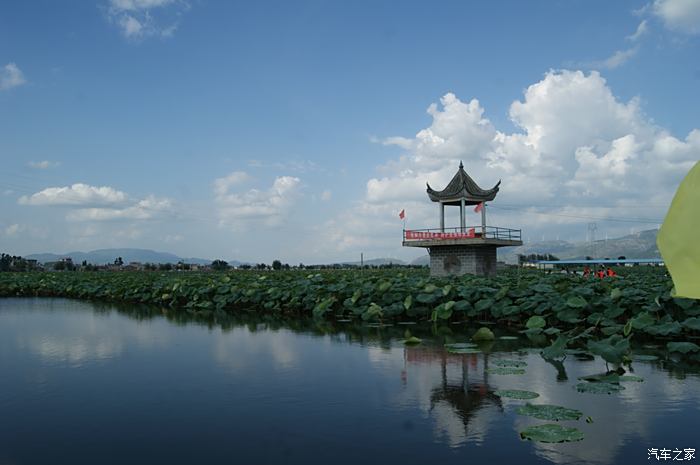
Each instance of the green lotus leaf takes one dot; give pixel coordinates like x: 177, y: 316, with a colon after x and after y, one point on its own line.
x: 516, y: 394
x: 692, y: 323
x: 536, y: 321
x: 644, y: 358
x: 664, y: 329
x: 570, y: 315
x: 642, y: 320
x: 576, y: 302
x: 557, y: 349
x: 633, y: 378
x: 463, y: 350
x: 682, y: 347
x: 549, y: 412
x: 610, y: 377
x: 510, y: 363
x: 599, y: 388
x: 551, y: 433
x: 505, y: 371
x: 461, y: 345
x: 611, y: 349
x: 483, y: 334
x: 483, y: 305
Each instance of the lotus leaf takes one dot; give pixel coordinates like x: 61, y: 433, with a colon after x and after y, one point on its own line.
x: 627, y: 329
x: 516, y: 394
x: 463, y: 350
x: 692, y: 323
x: 576, y: 302
x: 611, y: 349
x: 460, y: 345
x: 664, y: 329
x: 505, y: 371
x: 637, y: 379
x: 373, y: 311
x: 483, y: 305
x: 510, y: 363
x: 551, y: 433
x: 483, y: 334
x: 570, y: 315
x: 642, y: 320
x: 536, y: 321
x: 549, y: 412
x: 599, y: 388
x: 613, y: 312
x: 557, y: 349
x: 644, y: 358
x: 682, y: 347
x: 611, y: 377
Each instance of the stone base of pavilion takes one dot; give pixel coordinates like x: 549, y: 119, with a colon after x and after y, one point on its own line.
x: 457, y: 257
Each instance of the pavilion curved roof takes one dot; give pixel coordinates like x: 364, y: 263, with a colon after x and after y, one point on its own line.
x: 462, y: 186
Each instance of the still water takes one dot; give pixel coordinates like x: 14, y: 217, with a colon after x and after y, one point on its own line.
x: 82, y: 383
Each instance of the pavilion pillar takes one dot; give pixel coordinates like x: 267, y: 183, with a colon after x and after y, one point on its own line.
x: 442, y: 217
x: 483, y: 220
x: 462, y: 222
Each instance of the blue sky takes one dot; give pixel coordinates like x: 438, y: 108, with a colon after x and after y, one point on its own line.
x: 298, y: 130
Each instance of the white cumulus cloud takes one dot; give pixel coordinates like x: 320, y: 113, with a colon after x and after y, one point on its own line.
x: 146, y: 209
x: 92, y: 203
x: 78, y: 194
x: 11, y: 76
x: 138, y: 19
x: 268, y: 205
x: 222, y: 185
x: 641, y: 31
x: 42, y: 165
x: 679, y: 15
x: 14, y: 229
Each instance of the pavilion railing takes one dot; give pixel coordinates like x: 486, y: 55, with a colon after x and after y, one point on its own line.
x: 468, y: 232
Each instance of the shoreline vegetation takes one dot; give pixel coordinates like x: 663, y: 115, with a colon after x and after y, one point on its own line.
x: 560, y: 312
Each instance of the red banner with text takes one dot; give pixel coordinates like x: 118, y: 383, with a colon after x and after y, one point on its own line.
x: 470, y: 234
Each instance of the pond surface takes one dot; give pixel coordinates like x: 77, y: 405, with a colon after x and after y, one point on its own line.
x: 94, y: 384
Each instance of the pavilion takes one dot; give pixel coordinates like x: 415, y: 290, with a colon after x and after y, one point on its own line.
x: 464, y: 249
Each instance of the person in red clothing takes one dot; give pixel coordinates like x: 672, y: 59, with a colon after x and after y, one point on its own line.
x: 611, y: 273
x: 601, y: 272
x: 586, y: 272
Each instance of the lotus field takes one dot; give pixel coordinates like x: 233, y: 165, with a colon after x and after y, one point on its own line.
x: 557, y: 311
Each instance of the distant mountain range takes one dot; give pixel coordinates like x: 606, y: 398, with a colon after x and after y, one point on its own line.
x: 106, y: 256
x: 378, y: 262
x: 638, y: 245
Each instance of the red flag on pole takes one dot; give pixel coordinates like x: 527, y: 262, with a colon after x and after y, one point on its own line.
x: 478, y: 208
x: 402, y: 215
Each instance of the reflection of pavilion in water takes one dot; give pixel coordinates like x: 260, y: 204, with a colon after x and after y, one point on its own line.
x: 463, y: 397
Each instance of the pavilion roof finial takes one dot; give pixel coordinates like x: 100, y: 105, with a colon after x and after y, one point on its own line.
x: 461, y: 166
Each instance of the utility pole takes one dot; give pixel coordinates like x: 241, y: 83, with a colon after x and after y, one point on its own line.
x: 592, y: 228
